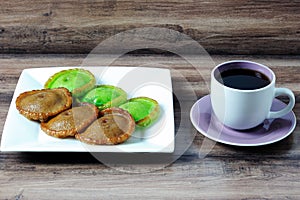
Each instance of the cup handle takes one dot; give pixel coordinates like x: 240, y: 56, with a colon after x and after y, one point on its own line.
x: 288, y: 108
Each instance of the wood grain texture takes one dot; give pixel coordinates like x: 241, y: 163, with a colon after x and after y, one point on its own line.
x: 226, y: 172
x: 221, y: 27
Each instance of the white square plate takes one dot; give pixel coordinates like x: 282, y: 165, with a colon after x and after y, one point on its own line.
x: 22, y: 135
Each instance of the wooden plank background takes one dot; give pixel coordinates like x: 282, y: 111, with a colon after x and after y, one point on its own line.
x: 221, y: 27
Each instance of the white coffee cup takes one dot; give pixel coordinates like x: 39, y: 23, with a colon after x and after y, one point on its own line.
x: 246, y: 108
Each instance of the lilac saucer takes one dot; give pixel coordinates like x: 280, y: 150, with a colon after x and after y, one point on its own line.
x: 269, y: 132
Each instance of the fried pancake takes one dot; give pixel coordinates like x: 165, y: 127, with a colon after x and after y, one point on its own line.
x: 114, y: 127
x: 144, y: 110
x: 78, y: 81
x: 71, y: 122
x: 105, y: 96
x: 45, y: 103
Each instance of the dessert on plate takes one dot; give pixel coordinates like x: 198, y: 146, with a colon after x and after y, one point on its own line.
x: 100, y: 114
x: 41, y: 104
x: 114, y: 127
x: 78, y: 81
x: 71, y: 121
x: 144, y: 110
x: 105, y: 96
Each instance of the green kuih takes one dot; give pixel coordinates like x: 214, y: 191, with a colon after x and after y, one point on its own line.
x: 144, y: 110
x: 77, y: 81
x: 105, y: 96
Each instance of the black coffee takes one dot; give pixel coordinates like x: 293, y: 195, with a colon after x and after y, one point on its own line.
x: 243, y: 79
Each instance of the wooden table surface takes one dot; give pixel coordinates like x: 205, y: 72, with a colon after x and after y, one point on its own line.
x: 225, y: 172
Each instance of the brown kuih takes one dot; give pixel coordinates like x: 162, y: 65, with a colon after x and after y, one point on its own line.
x: 71, y: 122
x: 114, y: 127
x: 41, y: 104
